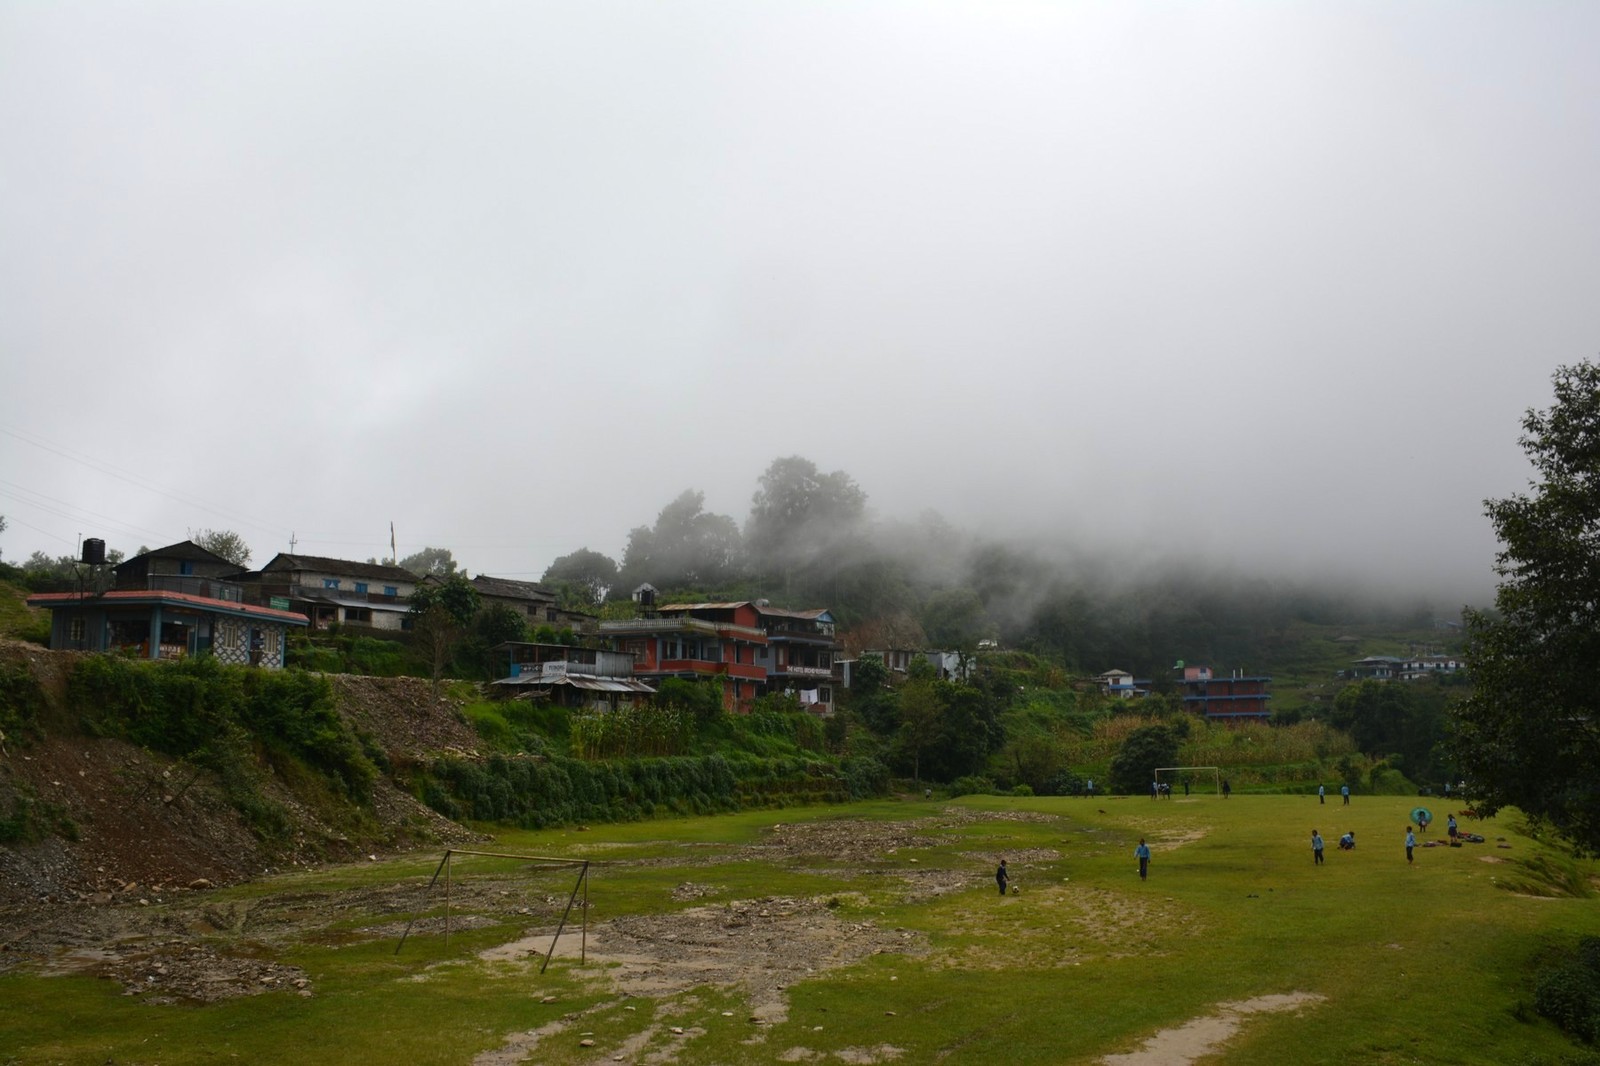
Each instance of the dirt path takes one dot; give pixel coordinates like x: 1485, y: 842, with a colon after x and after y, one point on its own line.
x: 1200, y: 1037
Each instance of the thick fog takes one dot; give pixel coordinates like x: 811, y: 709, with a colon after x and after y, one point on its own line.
x: 1264, y: 285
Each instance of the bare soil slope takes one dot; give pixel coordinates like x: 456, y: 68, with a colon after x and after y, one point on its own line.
x: 123, y: 823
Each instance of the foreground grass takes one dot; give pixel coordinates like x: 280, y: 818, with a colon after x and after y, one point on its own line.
x: 1429, y: 963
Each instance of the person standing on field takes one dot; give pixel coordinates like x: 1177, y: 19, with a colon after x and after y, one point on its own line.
x: 1411, y: 842
x: 1450, y: 825
x: 1344, y: 790
x: 1142, y: 853
x: 1316, y: 847
x: 1001, y: 875
x: 1322, y: 794
x: 1227, y: 789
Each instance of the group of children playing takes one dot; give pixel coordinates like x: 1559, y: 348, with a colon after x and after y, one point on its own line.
x: 1348, y: 841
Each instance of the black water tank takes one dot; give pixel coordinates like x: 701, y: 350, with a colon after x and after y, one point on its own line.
x: 94, y: 551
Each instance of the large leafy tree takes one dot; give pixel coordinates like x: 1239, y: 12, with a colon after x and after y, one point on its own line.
x: 687, y: 548
x: 440, y: 613
x: 799, y: 516
x: 1145, y: 750
x: 1389, y: 718
x: 224, y: 542
x: 1529, y: 734
x: 431, y: 562
x: 585, y: 576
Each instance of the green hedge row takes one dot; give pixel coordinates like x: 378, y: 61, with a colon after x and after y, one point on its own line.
x: 536, y: 792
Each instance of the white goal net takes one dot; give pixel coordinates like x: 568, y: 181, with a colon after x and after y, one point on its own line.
x: 1199, y: 778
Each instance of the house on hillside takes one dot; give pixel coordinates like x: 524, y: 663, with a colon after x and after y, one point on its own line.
x: 183, y: 559
x: 163, y: 621
x: 1237, y: 697
x: 1375, y: 668
x: 534, y: 601
x: 696, y: 640
x: 329, y: 591
x: 896, y: 660
x: 1416, y: 667
x: 1122, y: 684
x: 1410, y: 668
x: 798, y: 656
x: 580, y: 678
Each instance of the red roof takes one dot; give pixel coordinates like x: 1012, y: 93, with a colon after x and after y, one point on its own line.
x: 53, y: 600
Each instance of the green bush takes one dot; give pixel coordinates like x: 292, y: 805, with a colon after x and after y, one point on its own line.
x: 21, y: 703
x: 219, y: 716
x: 20, y: 826
x: 865, y: 776
x: 1568, y: 992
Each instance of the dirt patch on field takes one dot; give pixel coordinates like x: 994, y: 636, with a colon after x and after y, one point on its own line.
x: 170, y: 940
x: 1168, y: 838
x: 761, y: 946
x: 1196, y: 1039
x: 1066, y: 925
x: 178, y: 972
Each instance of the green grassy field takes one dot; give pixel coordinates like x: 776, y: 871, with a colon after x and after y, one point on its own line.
x: 882, y: 938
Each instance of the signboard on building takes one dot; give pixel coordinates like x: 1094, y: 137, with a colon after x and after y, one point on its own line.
x: 279, y: 603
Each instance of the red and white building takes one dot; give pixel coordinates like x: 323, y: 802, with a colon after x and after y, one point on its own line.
x: 752, y: 648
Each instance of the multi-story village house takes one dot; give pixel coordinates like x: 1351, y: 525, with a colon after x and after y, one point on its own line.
x: 1237, y: 697
x: 329, y: 591
x: 696, y: 640
x: 169, y: 603
x: 798, y: 656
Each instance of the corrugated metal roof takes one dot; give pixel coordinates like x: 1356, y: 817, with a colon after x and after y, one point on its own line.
x: 703, y: 606
x: 343, y: 567
x: 783, y: 612
x: 583, y: 681
x: 508, y: 588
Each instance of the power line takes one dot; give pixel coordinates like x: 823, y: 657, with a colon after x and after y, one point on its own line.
x: 81, y: 519
x: 133, y: 479
x: 84, y: 511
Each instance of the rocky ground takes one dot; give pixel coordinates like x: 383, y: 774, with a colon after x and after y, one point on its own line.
x: 176, y: 942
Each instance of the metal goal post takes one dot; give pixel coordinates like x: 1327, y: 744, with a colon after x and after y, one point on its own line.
x: 1174, y: 775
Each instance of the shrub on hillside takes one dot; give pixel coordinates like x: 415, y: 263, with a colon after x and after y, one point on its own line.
x: 214, y: 715
x: 1568, y: 992
x: 1146, y: 749
x: 21, y: 703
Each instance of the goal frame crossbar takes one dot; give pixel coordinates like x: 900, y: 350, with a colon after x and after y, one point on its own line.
x: 543, y: 861
x: 1215, y: 772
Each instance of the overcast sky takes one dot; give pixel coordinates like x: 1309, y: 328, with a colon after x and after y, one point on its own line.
x: 1269, y: 282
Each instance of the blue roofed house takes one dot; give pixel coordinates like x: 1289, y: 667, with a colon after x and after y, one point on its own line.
x: 170, y: 603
